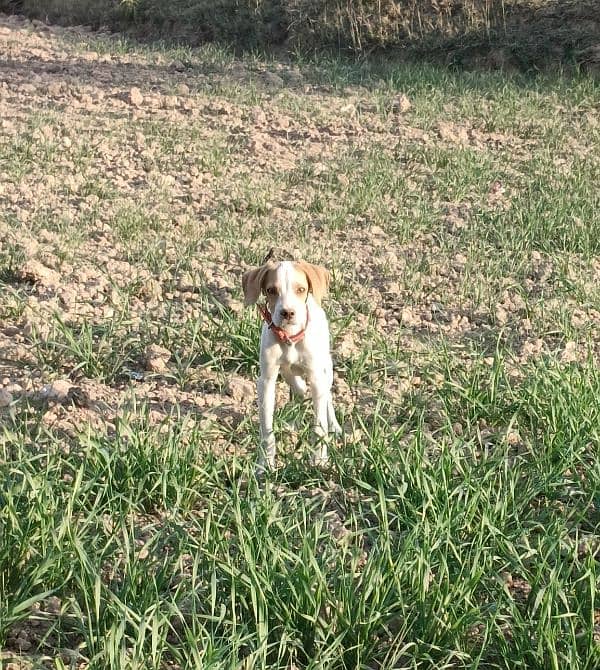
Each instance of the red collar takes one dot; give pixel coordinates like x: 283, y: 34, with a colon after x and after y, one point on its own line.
x: 279, y: 333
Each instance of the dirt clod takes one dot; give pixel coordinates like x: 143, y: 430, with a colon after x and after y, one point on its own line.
x: 35, y: 272
x: 6, y: 398
x: 57, y: 391
x: 156, y: 358
x: 135, y: 97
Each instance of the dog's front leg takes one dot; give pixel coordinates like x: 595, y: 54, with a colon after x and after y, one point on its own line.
x: 266, y: 408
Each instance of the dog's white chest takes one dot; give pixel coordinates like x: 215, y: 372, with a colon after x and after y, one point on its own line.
x: 293, y: 359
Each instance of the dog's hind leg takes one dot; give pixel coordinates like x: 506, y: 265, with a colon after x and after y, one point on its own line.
x: 298, y: 390
x: 332, y: 423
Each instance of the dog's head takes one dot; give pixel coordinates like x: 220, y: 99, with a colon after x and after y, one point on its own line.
x: 286, y: 286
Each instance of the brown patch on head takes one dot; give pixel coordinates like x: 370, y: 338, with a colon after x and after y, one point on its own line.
x: 253, y: 282
x: 318, y: 278
x: 300, y: 282
x: 270, y: 286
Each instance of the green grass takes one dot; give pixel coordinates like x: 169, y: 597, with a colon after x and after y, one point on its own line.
x: 231, y: 573
x: 458, y: 523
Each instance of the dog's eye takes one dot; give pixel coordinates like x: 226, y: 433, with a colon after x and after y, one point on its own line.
x: 272, y: 290
x: 300, y: 289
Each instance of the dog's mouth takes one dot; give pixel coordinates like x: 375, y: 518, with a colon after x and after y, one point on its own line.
x: 287, y: 324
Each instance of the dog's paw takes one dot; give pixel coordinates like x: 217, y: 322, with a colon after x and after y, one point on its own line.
x: 265, y: 460
x: 319, y: 457
x: 263, y: 467
x: 335, y: 429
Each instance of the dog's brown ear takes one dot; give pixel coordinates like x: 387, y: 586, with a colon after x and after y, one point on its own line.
x: 252, y: 282
x: 318, y: 278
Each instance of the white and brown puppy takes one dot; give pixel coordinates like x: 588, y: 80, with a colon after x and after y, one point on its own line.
x: 295, y: 342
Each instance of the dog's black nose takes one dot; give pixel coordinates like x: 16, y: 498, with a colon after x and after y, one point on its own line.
x: 288, y: 314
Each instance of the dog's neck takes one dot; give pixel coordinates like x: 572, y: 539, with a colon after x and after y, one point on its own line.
x: 279, y: 332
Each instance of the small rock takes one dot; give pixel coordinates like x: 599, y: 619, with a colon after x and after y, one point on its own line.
x: 239, y: 72
x: 69, y: 656
x: 22, y: 644
x: 438, y: 308
x: 501, y: 315
x: 569, y: 353
x: 5, y: 398
x: 346, y: 346
x: 55, y: 88
x: 151, y: 289
x: 183, y: 89
x: 240, y: 389
x: 57, y: 391
x: 258, y: 116
x: 452, y: 132
x: 35, y: 273
x: 457, y: 428
x: 170, y: 101
x: 272, y: 79
x: 410, y: 318
x: 53, y: 605
x: 367, y: 107
x: 335, y: 526
x: 135, y: 97
x: 401, y: 104
x: 155, y: 417
x: 156, y: 358
x: 235, y: 306
x: 294, y: 78
x: 513, y: 438
x: 531, y: 348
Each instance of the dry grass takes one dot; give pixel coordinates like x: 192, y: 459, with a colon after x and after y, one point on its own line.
x: 506, y: 34
x: 369, y: 24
